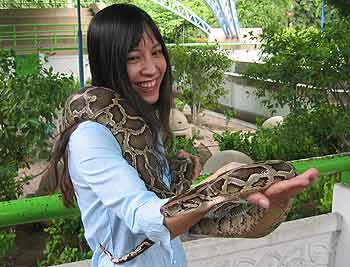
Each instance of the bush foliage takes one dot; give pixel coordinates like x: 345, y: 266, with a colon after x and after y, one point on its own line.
x: 309, y: 71
x: 29, y: 104
x: 65, y: 243
x: 30, y: 99
x: 199, y: 75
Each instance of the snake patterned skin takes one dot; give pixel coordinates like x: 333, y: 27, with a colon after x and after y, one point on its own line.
x: 221, y: 196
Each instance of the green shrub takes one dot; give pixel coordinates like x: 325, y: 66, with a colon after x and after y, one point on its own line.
x: 320, y: 61
x: 315, y: 200
x: 30, y: 99
x: 286, y: 144
x: 308, y: 71
x: 266, y: 144
x: 7, y: 244
x: 343, y: 6
x: 262, y: 13
x: 183, y: 143
x: 199, y: 75
x: 229, y: 114
x: 65, y: 242
x: 179, y: 104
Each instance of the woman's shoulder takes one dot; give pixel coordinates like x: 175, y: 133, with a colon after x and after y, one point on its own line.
x: 89, y: 103
x: 91, y: 130
x: 92, y: 126
x: 91, y: 134
x: 97, y: 94
x: 96, y: 89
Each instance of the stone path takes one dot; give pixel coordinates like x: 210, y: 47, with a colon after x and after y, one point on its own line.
x: 212, y: 122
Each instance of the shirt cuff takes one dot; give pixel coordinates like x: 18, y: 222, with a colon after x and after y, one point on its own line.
x: 152, y: 221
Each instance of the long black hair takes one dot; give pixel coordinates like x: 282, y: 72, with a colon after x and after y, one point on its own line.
x: 114, y: 32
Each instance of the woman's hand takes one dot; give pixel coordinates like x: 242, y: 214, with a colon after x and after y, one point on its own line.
x: 197, y: 168
x: 279, y: 193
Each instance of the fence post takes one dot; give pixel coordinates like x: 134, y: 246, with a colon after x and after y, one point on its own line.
x: 341, y: 200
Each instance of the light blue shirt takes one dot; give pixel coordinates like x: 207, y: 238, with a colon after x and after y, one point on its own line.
x: 116, y: 208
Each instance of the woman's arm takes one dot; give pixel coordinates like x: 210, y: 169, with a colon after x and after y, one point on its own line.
x: 99, y: 170
x: 180, y: 224
x: 120, y: 189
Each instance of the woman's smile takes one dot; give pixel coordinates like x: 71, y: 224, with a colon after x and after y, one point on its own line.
x: 147, y: 87
x: 147, y: 84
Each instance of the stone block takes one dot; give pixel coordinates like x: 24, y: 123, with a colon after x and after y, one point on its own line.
x: 222, y: 158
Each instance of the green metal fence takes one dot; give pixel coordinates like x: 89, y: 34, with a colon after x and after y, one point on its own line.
x: 54, y: 37
x: 34, y: 37
x: 43, y: 208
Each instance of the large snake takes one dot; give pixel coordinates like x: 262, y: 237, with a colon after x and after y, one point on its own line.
x: 222, y: 195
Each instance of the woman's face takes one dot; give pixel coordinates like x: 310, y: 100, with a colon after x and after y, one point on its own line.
x: 146, y: 67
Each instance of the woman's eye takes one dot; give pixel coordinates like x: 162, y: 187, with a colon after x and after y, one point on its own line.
x: 133, y: 58
x: 157, y: 52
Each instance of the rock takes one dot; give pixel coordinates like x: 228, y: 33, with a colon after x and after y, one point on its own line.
x: 219, y: 159
x: 179, y: 125
x: 96, y: 7
x: 272, y: 122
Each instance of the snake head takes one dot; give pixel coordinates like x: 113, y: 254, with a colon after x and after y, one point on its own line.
x: 283, y: 168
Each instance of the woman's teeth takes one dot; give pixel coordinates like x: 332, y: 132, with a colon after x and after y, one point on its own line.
x: 148, y: 84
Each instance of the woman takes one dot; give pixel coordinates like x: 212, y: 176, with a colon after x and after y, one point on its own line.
x: 131, y: 79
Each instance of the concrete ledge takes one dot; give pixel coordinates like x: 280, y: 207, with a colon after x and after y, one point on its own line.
x: 340, y: 205
x: 305, y: 242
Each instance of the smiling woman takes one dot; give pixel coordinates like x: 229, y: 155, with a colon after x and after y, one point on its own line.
x: 112, y: 148
x: 134, y: 200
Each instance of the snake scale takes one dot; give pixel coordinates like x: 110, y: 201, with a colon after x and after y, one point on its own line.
x: 221, y: 195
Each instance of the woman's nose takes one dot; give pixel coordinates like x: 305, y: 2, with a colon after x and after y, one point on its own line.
x: 149, y: 67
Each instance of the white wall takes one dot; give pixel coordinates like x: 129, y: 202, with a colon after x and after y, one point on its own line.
x: 68, y: 64
x: 308, y: 242
x: 340, y: 205
x: 240, y: 96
